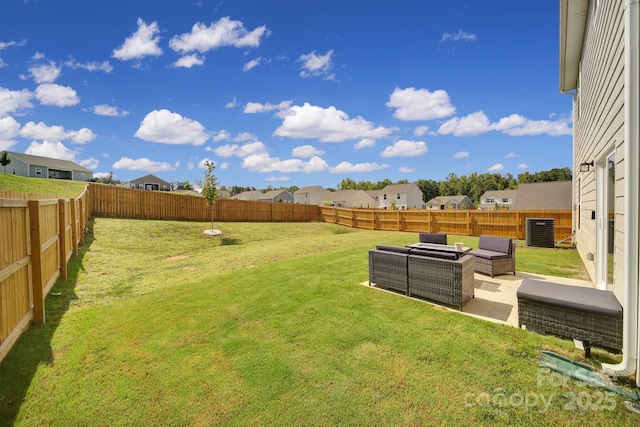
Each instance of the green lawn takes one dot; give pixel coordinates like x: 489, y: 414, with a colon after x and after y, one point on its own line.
x: 41, y: 185
x: 269, y: 324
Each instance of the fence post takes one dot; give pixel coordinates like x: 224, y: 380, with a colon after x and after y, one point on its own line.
x: 74, y: 227
x: 36, y: 262
x: 468, y: 223
x: 62, y: 236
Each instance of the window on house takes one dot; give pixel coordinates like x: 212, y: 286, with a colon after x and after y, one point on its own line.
x: 505, y: 200
x: 384, y: 197
x: 38, y: 171
x: 398, y: 196
x: 490, y: 200
x: 82, y: 175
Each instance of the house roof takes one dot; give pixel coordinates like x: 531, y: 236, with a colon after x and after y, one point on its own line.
x: 269, y: 195
x: 510, y: 194
x: 48, y: 162
x: 573, y: 17
x: 342, y: 194
x: 444, y: 199
x: 247, y: 195
x: 398, y: 188
x: 544, y: 195
x: 309, y: 189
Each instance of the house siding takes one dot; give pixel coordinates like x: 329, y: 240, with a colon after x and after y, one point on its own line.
x: 599, y: 129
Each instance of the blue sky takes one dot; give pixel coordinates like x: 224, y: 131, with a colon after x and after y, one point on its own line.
x: 283, y: 92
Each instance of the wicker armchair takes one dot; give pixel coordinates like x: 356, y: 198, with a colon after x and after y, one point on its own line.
x: 388, y: 267
x: 495, y: 255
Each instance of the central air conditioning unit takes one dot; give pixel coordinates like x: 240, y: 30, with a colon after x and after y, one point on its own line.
x: 541, y: 232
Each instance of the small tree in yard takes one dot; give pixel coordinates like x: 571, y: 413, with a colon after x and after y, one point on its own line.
x: 5, y: 160
x: 209, y: 186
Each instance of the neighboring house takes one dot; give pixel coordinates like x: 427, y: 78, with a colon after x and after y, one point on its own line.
x: 148, y: 182
x: 599, y: 67
x: 282, y: 196
x: 223, y: 194
x: 449, y: 202
x: 247, y: 195
x: 376, y: 195
x: 403, y: 196
x: 554, y: 195
x: 46, y: 167
x: 349, y: 199
x: 497, y: 199
x: 312, y: 195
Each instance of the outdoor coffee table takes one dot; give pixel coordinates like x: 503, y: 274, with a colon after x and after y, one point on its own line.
x: 441, y: 248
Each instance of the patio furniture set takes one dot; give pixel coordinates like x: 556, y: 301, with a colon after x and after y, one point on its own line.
x: 444, y: 274
x: 433, y: 270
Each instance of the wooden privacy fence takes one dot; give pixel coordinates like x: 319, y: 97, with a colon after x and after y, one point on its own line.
x: 112, y: 201
x: 38, y: 239
x: 503, y: 223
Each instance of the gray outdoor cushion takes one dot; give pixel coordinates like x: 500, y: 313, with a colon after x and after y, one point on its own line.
x: 437, y: 238
x: 496, y: 244
x: 398, y: 249
x: 483, y: 253
x: 435, y: 254
x: 577, y: 298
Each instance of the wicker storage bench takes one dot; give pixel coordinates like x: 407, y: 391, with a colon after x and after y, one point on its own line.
x: 442, y: 279
x: 495, y: 255
x: 572, y: 312
x: 388, y: 267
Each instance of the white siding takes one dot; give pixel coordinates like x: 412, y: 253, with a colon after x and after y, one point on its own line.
x: 599, y: 124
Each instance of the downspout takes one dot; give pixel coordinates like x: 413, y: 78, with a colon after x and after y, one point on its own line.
x: 629, y: 362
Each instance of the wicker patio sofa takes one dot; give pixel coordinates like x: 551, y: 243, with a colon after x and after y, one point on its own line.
x: 495, y: 255
x: 574, y: 312
x: 441, y: 277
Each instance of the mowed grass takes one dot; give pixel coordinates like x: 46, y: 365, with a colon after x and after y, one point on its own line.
x: 22, y: 184
x: 269, y: 324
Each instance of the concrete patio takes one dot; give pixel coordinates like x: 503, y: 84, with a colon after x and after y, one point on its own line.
x: 495, y: 298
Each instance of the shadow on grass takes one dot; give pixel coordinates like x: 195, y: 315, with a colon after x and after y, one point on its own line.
x: 33, y: 348
x: 228, y: 241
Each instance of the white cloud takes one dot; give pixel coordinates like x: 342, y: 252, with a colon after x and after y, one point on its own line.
x: 104, y: 66
x: 224, y: 165
x: 166, y: 127
x: 306, y: 151
x: 41, y: 131
x: 108, y: 110
x: 459, y: 36
x: 314, y: 65
x: 278, y: 179
x: 56, y: 95
x: 55, y: 150
x: 245, y: 136
x: 241, y: 151
x: 421, y: 130
x: 263, y: 163
x: 523, y: 166
x: 405, y: 169
x: 9, y: 129
x: 496, y: 167
x: 224, y: 32
x: 461, y: 155
x: 251, y: 64
x: 514, y: 125
x: 221, y: 135
x: 511, y: 156
x: 144, y: 164
x: 346, y: 167
x: 326, y: 124
x: 364, y: 143
x: 231, y: 104
x: 14, y: 100
x: 202, y: 164
x: 256, y: 107
x: 90, y: 163
x: 47, y: 73
x: 420, y: 104
x: 189, y: 61
x: 5, y: 45
x: 404, y: 148
x: 144, y: 42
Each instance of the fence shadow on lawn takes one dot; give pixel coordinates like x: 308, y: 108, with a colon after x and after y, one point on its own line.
x: 33, y: 348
